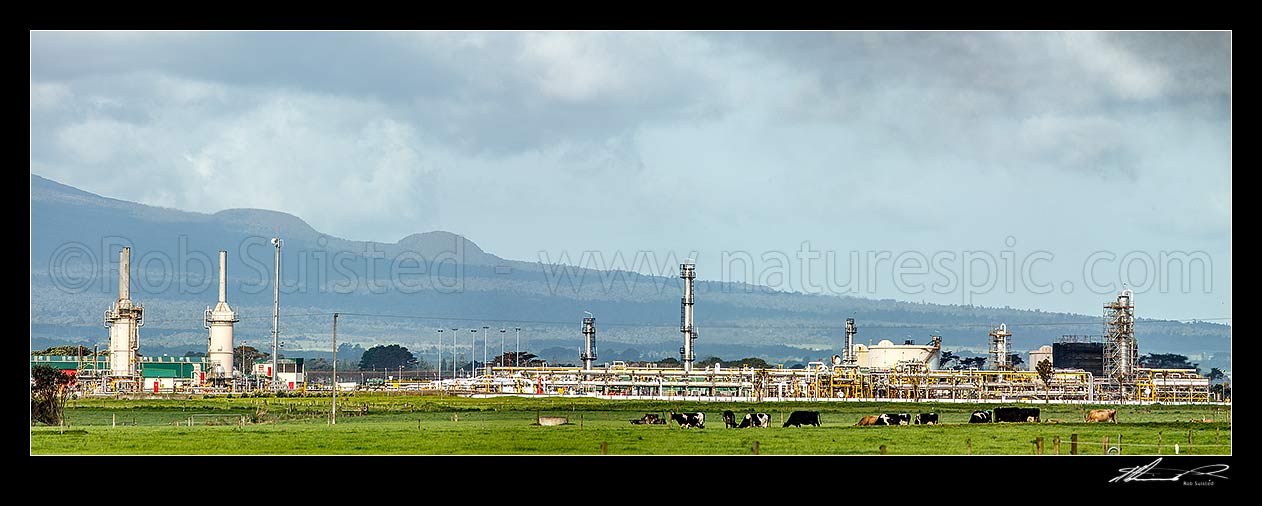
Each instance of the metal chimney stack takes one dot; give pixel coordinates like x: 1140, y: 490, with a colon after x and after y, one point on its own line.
x: 220, y: 322
x: 124, y: 275
x: 849, y: 358
x: 687, y: 272
x: 589, y: 342
x: 124, y: 320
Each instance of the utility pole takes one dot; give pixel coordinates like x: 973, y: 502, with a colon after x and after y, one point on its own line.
x: 502, y: 331
x: 440, y: 354
x: 275, y: 312
x: 486, y: 335
x: 453, y: 351
x: 334, y: 414
x: 517, y: 349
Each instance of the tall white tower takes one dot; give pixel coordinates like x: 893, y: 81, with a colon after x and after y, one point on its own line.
x: 999, y: 346
x: 687, y: 272
x: 589, y: 342
x: 124, y: 320
x: 220, y: 321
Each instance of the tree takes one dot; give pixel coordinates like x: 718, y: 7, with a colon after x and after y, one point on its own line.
x: 48, y: 394
x: 753, y: 362
x: 251, y: 355
x: 1044, y: 369
x: 1167, y: 361
x: 978, y: 362
x: 668, y: 362
x: 70, y: 351
x: 387, y: 357
x: 1015, y: 360
x: 944, y: 361
x: 1216, y: 374
x: 709, y: 362
x: 194, y: 354
x: 318, y: 364
x: 510, y: 358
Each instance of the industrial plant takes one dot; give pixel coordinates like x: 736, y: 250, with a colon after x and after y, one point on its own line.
x: 1084, y: 368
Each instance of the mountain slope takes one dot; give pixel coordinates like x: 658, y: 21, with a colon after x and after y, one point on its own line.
x: 449, y: 280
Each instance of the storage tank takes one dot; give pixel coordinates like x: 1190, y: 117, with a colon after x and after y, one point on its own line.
x: 886, y: 354
x: 1043, y: 353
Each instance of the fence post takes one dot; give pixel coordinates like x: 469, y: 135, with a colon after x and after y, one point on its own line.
x: 1158, y: 442
x: 1055, y: 445
x: 1119, y: 444
x: 1073, y: 444
x: 969, y: 442
x: 113, y: 420
x: 604, y: 448
x: 882, y: 449
x: 755, y: 448
x: 1216, y: 435
x: 1104, y: 445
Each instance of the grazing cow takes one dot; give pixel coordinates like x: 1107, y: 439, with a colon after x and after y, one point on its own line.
x: 926, y: 419
x: 867, y: 420
x: 1015, y: 414
x: 800, y: 418
x: 686, y: 420
x: 649, y: 418
x: 893, y: 419
x: 1100, y: 415
x: 755, y: 420
x: 729, y: 419
x: 980, y: 417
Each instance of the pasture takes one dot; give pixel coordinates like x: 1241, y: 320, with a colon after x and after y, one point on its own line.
x: 381, y: 424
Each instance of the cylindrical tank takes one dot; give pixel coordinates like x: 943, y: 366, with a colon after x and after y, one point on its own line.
x: 122, y: 362
x: 1043, y: 353
x: 886, y: 354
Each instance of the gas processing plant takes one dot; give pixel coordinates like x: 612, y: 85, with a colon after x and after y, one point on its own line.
x: 1084, y: 369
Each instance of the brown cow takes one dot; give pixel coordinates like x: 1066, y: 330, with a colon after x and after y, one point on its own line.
x: 1100, y: 415
x: 867, y: 420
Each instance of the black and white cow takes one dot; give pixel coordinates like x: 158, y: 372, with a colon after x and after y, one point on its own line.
x: 729, y: 419
x: 926, y: 419
x: 893, y: 419
x: 755, y: 420
x: 800, y: 418
x: 1015, y: 414
x: 686, y: 420
x: 980, y: 417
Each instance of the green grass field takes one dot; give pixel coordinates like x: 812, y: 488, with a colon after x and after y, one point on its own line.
x: 429, y: 425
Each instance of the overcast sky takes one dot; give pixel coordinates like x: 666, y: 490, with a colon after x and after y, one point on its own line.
x: 1080, y: 145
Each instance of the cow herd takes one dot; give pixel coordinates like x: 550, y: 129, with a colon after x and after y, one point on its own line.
x: 697, y: 419
x: 800, y: 418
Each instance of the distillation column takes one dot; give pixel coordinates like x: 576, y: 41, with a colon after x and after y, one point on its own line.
x: 589, y: 342
x: 687, y: 272
x: 849, y: 358
x: 124, y: 320
x: 999, y: 346
x: 220, y: 321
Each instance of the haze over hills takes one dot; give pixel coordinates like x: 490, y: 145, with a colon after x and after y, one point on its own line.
x: 440, y: 279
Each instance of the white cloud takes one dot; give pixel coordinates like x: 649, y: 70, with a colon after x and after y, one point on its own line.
x: 48, y: 95
x: 650, y: 140
x: 1128, y: 75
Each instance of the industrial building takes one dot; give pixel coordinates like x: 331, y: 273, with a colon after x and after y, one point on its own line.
x: 121, y: 369
x: 1090, y: 370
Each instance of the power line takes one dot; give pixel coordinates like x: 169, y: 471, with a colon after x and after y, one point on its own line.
x: 1095, y: 322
